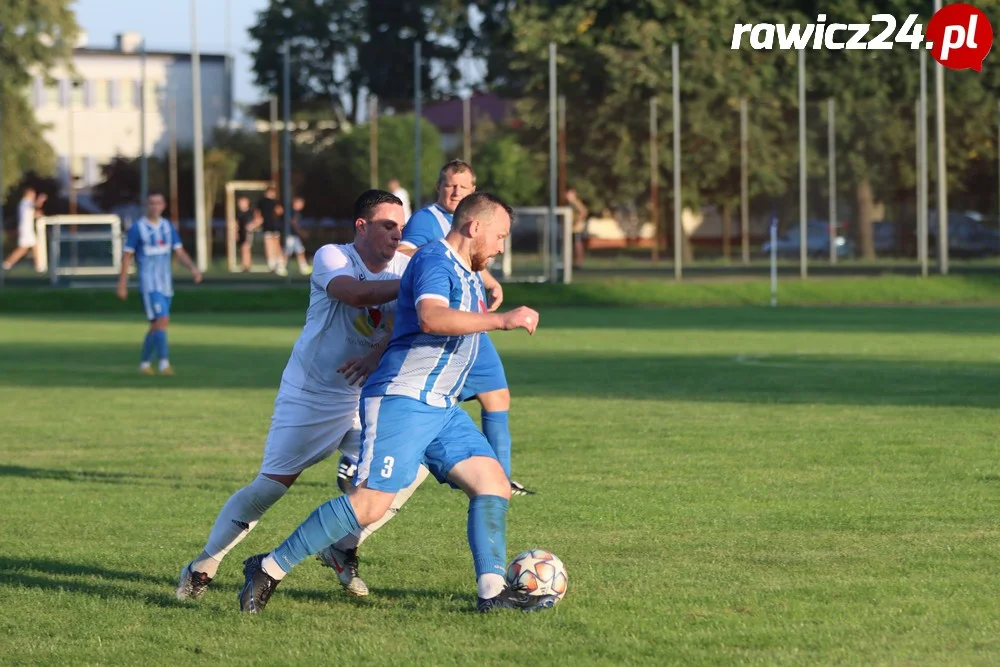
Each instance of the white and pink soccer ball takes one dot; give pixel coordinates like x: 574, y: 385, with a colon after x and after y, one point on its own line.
x: 538, y: 572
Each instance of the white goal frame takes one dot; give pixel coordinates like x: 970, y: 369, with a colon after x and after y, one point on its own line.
x: 556, y: 242
x: 47, y: 246
x: 231, y: 229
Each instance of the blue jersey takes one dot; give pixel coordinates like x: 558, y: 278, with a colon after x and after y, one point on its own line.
x: 426, y: 225
x: 427, y: 367
x: 154, y: 247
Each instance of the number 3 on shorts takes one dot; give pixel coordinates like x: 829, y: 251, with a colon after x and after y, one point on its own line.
x: 387, y: 466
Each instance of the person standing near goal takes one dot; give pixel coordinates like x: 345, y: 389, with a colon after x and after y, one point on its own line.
x: 348, y: 321
x: 153, y: 241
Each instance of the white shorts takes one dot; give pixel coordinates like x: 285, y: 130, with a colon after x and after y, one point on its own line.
x: 26, y: 237
x: 305, y: 432
x: 293, y: 244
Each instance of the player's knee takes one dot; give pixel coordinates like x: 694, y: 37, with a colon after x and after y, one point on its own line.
x: 481, y: 476
x: 497, y: 400
x: 370, y: 505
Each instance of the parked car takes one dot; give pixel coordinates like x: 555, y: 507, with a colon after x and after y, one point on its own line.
x: 970, y: 234
x: 817, y: 241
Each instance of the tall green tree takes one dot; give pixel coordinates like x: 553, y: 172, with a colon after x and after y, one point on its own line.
x: 341, y: 48
x: 35, y: 35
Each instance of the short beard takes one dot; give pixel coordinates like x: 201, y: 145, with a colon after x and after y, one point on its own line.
x: 479, y: 263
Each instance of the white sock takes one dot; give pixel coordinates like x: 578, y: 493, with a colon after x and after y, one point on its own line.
x: 490, y: 585
x: 401, y: 497
x: 143, y: 365
x: 272, y: 568
x: 239, y: 516
x: 164, y: 363
x: 205, y: 563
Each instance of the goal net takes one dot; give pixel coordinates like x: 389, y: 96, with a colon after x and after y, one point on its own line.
x: 79, y: 245
x: 253, y: 190
x: 539, y: 241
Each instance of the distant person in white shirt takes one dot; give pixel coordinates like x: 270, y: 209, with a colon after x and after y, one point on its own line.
x: 26, y: 239
x: 404, y: 196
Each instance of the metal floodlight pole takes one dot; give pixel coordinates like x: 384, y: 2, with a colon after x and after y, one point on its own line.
x: 678, y: 228
x: 2, y: 255
x: 654, y: 177
x: 942, y: 165
x: 467, y: 129
x: 286, y: 163
x: 803, y: 234
x: 417, y: 117
x: 553, y: 163
x: 922, y: 213
x: 143, y: 162
x: 201, y: 224
x: 744, y: 182
x: 831, y: 115
x: 373, y: 141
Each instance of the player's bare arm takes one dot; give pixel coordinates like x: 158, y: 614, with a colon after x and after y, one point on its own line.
x: 357, y: 370
x: 122, y: 291
x: 362, y: 293
x: 438, y: 318
x: 187, y: 261
x: 493, y: 288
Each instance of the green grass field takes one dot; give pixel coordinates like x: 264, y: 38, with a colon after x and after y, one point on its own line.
x: 790, y: 486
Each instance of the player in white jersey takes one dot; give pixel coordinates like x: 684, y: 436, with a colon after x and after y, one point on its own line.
x: 348, y: 325
x: 153, y: 241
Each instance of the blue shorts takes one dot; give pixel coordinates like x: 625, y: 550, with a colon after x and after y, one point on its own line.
x: 487, y: 372
x: 398, y: 433
x: 156, y: 305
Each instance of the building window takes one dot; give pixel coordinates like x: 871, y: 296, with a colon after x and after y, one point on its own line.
x: 99, y: 94
x: 127, y: 94
x: 77, y: 94
x: 51, y: 95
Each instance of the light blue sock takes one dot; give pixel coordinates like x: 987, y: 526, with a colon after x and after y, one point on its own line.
x: 487, y: 531
x: 147, y: 347
x: 497, y: 432
x: 161, y: 344
x: 329, y: 523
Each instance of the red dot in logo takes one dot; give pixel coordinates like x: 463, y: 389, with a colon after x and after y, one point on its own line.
x: 960, y: 37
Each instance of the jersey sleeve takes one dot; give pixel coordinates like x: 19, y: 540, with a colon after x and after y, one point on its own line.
x: 132, y: 238
x: 330, y: 262
x: 176, y: 237
x: 420, y: 230
x: 432, y: 280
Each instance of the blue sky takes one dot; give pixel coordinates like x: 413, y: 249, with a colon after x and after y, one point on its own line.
x: 167, y: 26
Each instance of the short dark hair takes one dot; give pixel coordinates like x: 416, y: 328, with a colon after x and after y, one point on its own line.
x: 458, y: 167
x: 477, y: 204
x: 156, y: 193
x: 369, y: 200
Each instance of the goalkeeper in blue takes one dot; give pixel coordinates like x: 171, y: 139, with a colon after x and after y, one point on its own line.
x: 153, y: 241
x: 411, y: 414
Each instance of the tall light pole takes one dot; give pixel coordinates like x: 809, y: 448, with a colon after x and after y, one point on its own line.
x: 942, y: 167
x: 143, y: 164
x: 199, y: 147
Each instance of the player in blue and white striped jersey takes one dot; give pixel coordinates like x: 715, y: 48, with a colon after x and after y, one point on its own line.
x: 153, y: 241
x: 410, y: 414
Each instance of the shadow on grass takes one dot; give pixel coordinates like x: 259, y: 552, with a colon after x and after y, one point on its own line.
x: 54, y: 575
x: 759, y: 379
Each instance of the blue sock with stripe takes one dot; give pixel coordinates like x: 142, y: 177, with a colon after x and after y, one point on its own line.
x: 148, y: 345
x: 497, y: 431
x: 160, y: 336
x: 328, y: 524
x: 487, y: 531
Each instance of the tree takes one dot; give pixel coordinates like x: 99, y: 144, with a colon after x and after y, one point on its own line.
x: 341, y: 50
x: 34, y: 36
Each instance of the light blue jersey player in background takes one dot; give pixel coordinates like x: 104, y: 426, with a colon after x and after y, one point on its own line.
x: 153, y: 241
x: 487, y: 381
x: 411, y: 414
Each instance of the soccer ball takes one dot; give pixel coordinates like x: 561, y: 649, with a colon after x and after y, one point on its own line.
x: 538, y: 572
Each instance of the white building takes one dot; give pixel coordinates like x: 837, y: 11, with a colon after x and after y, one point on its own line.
x: 94, y: 114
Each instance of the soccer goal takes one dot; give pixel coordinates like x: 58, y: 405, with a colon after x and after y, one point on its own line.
x: 79, y: 245
x: 234, y: 190
x: 540, y: 245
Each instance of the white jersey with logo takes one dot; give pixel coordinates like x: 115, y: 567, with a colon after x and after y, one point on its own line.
x: 335, y: 332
